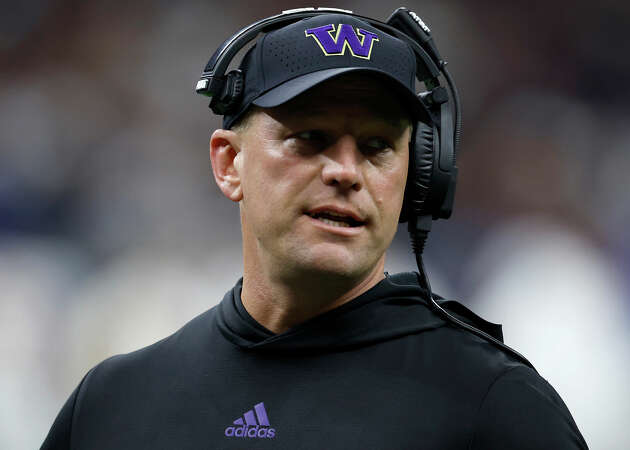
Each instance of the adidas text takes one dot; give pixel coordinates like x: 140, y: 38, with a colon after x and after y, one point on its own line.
x: 255, y: 431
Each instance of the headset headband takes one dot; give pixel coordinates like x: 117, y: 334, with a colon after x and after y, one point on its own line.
x: 211, y: 80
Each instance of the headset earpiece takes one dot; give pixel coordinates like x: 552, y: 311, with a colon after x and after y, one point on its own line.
x: 422, y: 150
x: 432, y: 172
x: 230, y: 93
x: 444, y: 173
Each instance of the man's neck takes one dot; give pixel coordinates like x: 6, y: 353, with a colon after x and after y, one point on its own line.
x: 282, y: 304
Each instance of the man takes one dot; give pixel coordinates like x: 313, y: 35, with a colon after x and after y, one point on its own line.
x: 316, y: 347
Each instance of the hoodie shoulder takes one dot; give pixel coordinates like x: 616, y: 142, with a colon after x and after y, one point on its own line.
x: 522, y: 411
x: 455, y: 308
x: 190, y: 337
x: 122, y: 383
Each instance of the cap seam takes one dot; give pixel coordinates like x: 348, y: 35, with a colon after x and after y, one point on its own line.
x: 260, y: 62
x: 413, y: 72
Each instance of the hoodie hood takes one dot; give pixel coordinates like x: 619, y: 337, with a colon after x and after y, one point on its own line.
x: 393, y: 308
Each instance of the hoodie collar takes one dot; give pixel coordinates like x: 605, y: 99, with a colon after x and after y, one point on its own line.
x: 394, y: 307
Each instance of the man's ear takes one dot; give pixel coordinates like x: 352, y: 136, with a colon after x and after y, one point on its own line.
x: 225, y: 155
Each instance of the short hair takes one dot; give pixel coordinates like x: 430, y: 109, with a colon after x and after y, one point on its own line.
x: 242, y: 123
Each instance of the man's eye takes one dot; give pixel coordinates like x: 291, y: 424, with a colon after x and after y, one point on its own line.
x: 311, y: 135
x: 310, y: 141
x: 376, y: 144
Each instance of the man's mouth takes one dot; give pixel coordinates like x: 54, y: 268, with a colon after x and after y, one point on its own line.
x: 336, y: 219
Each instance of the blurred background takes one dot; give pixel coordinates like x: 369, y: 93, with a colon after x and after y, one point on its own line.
x: 113, y: 233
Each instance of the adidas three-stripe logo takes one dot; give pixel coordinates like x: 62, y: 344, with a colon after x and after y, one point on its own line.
x: 255, y: 425
x: 261, y: 414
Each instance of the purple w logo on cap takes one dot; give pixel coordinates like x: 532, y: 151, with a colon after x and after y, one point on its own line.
x: 359, y: 42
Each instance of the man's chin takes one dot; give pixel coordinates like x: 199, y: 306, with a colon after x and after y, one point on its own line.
x: 339, y: 265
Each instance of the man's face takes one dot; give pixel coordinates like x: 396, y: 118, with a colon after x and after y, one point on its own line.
x: 323, y: 178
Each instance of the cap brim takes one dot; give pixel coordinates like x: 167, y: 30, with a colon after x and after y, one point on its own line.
x: 296, y: 86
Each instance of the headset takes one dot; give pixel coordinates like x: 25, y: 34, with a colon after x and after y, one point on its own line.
x: 432, y: 176
x: 430, y: 190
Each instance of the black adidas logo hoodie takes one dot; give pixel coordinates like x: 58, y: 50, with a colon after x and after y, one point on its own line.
x: 380, y: 372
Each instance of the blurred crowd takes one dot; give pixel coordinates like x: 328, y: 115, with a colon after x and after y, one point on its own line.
x: 113, y: 234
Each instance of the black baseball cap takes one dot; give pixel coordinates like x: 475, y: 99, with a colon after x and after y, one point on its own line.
x: 288, y: 61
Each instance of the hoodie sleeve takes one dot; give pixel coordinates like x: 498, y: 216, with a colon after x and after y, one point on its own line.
x: 59, y: 435
x: 61, y: 431
x: 521, y: 411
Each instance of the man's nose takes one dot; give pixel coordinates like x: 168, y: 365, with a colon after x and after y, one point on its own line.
x: 342, y: 165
